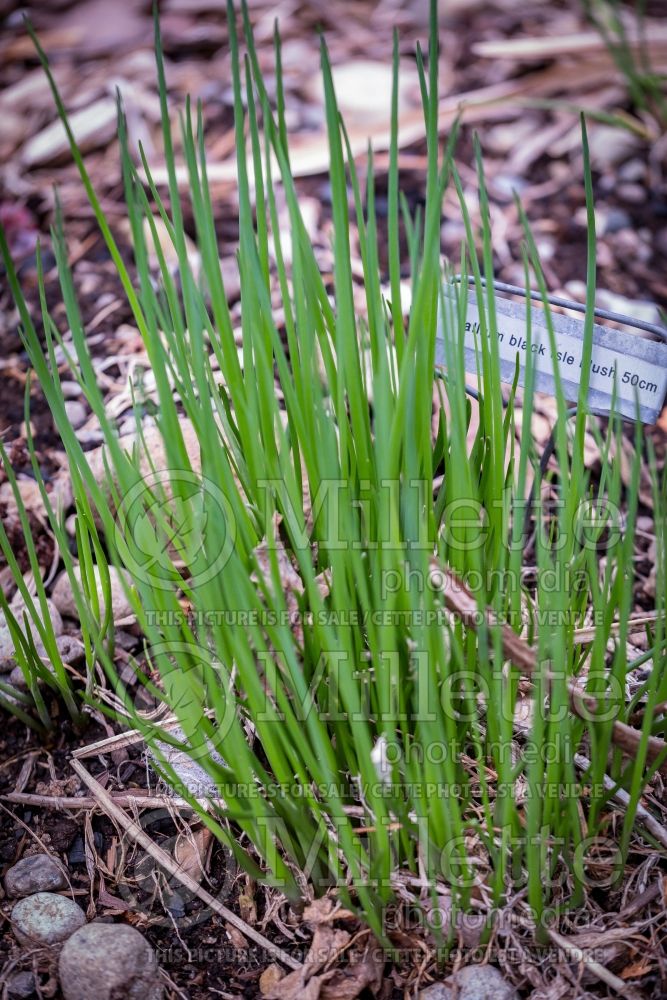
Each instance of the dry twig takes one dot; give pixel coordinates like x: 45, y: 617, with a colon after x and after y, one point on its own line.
x: 136, y: 833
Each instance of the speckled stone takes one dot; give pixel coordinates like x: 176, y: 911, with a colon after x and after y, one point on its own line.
x: 46, y: 918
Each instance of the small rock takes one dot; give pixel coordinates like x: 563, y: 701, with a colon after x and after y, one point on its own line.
x: 72, y: 652
x: 70, y: 389
x: 18, y: 607
x: 483, y: 982
x: 71, y: 649
x: 129, y: 426
x: 21, y: 984
x: 76, y: 413
x: 17, y: 679
x: 630, y: 244
x: 617, y: 220
x: 125, y: 640
x: 231, y: 278
x: 190, y: 774
x: 153, y: 455
x: 63, y: 598
x: 46, y: 918
x: 90, y: 437
x: 36, y: 873
x: 472, y: 982
x: 576, y: 290
x: 438, y: 991
x: 7, y: 661
x: 610, y: 146
x: 507, y: 185
x: 633, y: 171
x: 107, y: 961
x: 632, y: 194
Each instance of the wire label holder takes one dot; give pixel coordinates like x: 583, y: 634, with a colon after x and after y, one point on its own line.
x: 636, y: 364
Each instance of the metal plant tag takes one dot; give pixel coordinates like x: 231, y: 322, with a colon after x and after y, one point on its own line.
x: 638, y: 365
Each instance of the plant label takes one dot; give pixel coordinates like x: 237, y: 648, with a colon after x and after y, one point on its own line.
x: 637, y: 365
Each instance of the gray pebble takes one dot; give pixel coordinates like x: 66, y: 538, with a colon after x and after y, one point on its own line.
x: 17, y: 679
x: 71, y: 389
x: 617, y: 220
x: 71, y: 649
x: 107, y: 961
x: 632, y: 194
x: 610, y: 146
x: 21, y: 984
x: 76, y: 413
x: 46, y: 918
x: 474, y: 982
x: 90, y: 437
x: 19, y: 609
x: 7, y: 661
x: 190, y: 774
x: 36, y: 873
x: 63, y: 597
x: 634, y: 170
x: 483, y: 982
x: 438, y: 991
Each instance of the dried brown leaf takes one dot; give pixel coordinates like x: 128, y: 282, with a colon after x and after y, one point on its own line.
x: 348, y: 983
x: 191, y: 850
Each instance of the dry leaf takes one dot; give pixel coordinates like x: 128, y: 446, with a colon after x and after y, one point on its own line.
x: 636, y: 969
x: 270, y: 978
x: 324, y: 910
x: 247, y: 906
x: 191, y: 850
x: 367, y: 973
x: 236, y: 937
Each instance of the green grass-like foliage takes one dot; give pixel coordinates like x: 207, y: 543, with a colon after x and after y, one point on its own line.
x: 377, y: 714
x: 646, y: 87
